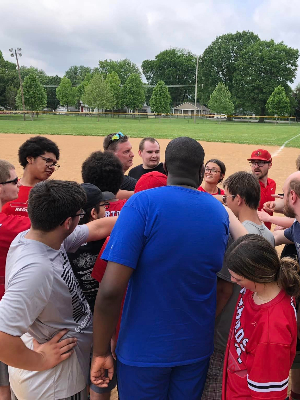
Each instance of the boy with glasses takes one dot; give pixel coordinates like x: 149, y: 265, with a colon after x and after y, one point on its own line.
x: 38, y: 156
x: 260, y: 162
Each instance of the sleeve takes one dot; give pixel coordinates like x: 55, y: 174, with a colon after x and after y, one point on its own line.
x: 27, y: 293
x: 127, y: 238
x: 76, y: 238
x: 289, y: 233
x: 128, y: 183
x: 268, y: 377
x: 224, y: 272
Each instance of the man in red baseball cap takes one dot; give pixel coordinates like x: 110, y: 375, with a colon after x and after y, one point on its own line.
x: 261, y: 162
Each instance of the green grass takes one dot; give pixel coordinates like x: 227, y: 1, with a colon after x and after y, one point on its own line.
x: 206, y: 130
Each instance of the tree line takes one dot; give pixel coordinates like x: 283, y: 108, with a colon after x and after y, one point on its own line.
x: 240, y: 69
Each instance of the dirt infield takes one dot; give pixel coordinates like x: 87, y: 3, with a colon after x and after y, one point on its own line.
x: 75, y: 149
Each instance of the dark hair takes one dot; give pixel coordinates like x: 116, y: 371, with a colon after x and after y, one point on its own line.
x: 245, y: 185
x: 5, y: 168
x: 184, y: 156
x: 147, y: 139
x: 103, y: 170
x: 87, y: 217
x: 36, y: 146
x: 111, y: 145
x: 220, y: 164
x: 254, y: 258
x: 52, y: 201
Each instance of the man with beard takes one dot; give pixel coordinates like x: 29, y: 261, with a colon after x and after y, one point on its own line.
x: 261, y: 162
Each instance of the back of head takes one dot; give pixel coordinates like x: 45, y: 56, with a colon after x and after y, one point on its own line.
x: 112, y: 140
x: 254, y: 258
x: 246, y: 186
x: 147, y: 139
x: 150, y: 180
x: 103, y: 170
x: 5, y: 168
x: 184, y: 157
x: 36, y: 146
x: 52, y: 201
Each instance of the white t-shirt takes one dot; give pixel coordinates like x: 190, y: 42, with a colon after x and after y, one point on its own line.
x: 43, y: 297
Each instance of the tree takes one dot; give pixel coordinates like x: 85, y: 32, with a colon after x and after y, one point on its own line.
x: 260, y: 69
x: 278, y: 103
x: 160, y: 101
x: 124, y: 68
x: 39, y: 73
x: 220, y: 100
x: 52, y: 100
x: 114, y: 82
x: 77, y: 74
x: 98, y: 94
x: 65, y: 93
x: 218, y: 62
x: 8, y: 78
x: 296, y: 96
x: 10, y: 95
x: 35, y: 97
x: 133, y: 92
x: 174, y: 67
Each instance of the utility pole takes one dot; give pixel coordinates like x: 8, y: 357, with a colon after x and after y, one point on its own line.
x: 196, y: 87
x: 16, y: 53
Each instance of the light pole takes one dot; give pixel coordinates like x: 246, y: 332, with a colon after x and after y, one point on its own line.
x: 16, y: 53
x: 196, y: 86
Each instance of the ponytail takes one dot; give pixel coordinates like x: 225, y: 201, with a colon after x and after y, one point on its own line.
x: 288, y: 276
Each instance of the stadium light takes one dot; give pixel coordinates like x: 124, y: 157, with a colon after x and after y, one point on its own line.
x: 16, y: 53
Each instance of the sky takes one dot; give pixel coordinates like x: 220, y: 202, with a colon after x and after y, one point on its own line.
x: 54, y: 35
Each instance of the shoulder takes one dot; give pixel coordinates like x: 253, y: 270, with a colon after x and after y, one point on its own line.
x: 14, y: 223
x: 128, y: 183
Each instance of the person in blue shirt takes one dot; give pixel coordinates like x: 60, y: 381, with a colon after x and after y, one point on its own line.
x: 167, y: 247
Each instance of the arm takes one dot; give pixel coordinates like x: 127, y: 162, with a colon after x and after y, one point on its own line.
x: 101, y: 228
x: 13, y: 352
x: 285, y: 222
x: 236, y: 229
x: 274, y: 206
x: 124, y: 194
x: 224, y: 292
x: 280, y: 238
x: 106, y: 314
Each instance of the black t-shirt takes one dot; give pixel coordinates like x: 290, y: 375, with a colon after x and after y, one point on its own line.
x: 82, y: 263
x: 138, y: 171
x: 128, y: 183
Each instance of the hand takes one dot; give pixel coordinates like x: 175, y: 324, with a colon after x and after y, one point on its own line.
x: 279, y: 228
x: 263, y: 216
x: 55, y: 351
x: 100, y: 365
x: 269, y: 206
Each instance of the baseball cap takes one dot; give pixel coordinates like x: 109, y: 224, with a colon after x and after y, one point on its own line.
x: 94, y: 195
x: 260, y: 154
x: 150, y: 180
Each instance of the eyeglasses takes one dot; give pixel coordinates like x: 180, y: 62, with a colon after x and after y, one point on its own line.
x: 14, y: 181
x: 81, y: 214
x: 106, y: 204
x: 259, y: 163
x: 224, y: 197
x: 50, y: 163
x: 211, y: 170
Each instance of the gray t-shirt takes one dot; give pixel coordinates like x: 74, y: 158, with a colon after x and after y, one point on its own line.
x: 223, y: 321
x: 43, y: 297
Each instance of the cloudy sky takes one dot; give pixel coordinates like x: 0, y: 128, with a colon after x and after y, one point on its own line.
x: 56, y: 34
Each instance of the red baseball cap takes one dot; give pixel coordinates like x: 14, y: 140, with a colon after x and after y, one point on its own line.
x: 150, y: 180
x: 260, y: 154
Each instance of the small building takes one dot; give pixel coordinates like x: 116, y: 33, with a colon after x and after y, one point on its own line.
x: 190, y: 109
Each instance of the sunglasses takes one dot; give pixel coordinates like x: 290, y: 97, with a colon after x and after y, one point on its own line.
x: 115, y: 137
x: 14, y: 181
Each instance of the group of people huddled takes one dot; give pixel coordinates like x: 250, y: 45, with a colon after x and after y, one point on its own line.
x: 164, y: 282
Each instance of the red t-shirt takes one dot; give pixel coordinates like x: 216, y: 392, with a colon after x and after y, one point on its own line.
x: 19, y: 205
x: 220, y: 191
x: 261, y: 348
x: 114, y: 208
x: 266, y: 195
x: 10, y: 227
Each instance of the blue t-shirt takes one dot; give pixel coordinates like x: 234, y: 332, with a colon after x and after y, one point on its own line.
x: 174, y: 238
x: 293, y: 234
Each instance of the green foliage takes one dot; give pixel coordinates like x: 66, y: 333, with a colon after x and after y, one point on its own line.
x: 98, y: 94
x: 218, y: 62
x: 259, y: 70
x: 35, y: 97
x: 65, y: 93
x: 133, y: 92
x: 296, y: 102
x: 124, y: 68
x: 174, y: 67
x: 160, y: 100
x: 114, y: 82
x: 39, y: 73
x: 77, y: 74
x: 278, y: 103
x: 8, y: 78
x: 10, y: 95
x: 220, y: 100
x: 52, y: 100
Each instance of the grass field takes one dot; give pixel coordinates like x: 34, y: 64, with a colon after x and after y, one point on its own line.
x: 207, y: 130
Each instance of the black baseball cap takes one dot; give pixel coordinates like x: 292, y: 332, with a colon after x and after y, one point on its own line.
x: 94, y: 195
